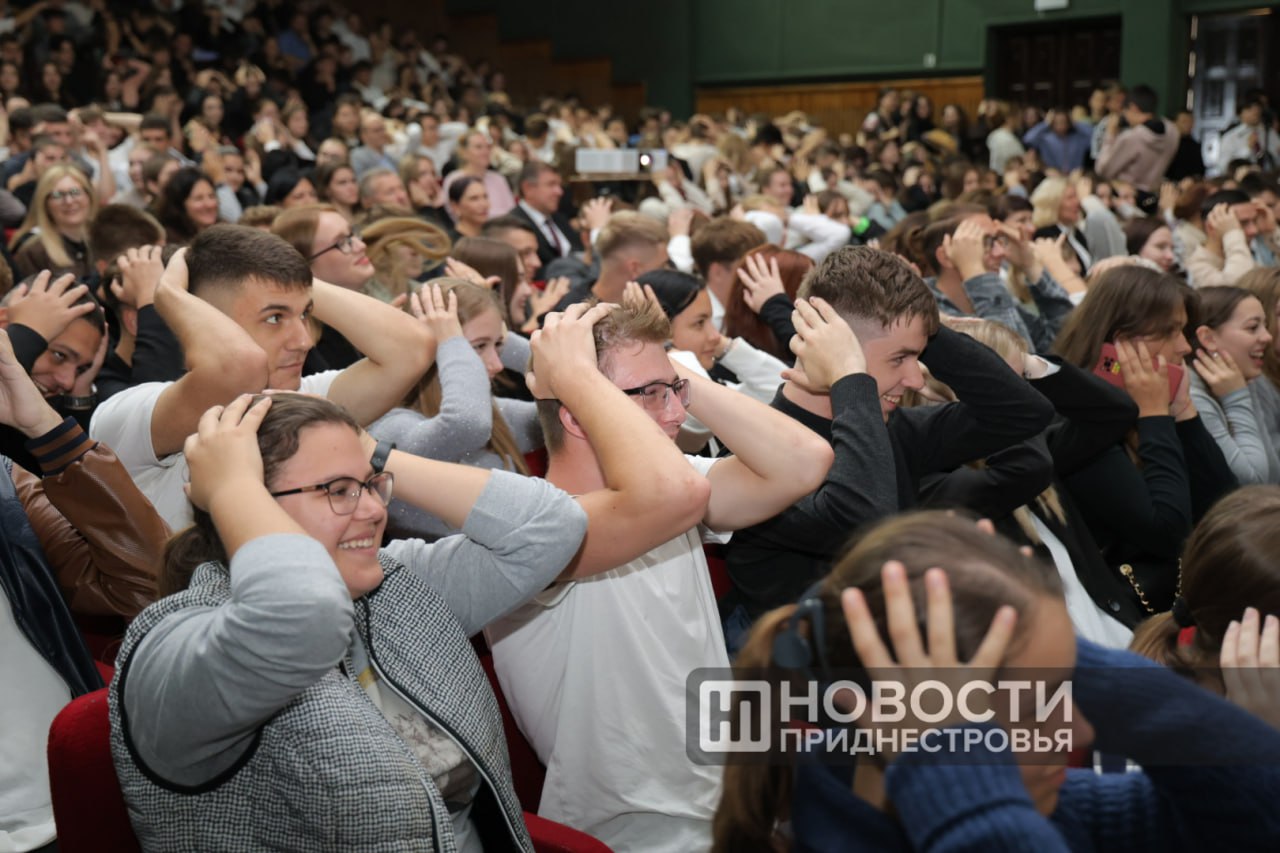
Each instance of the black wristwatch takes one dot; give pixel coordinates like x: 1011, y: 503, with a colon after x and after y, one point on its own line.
x: 380, y: 453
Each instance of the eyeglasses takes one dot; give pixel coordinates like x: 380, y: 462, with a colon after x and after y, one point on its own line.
x: 66, y: 195
x: 656, y: 395
x: 989, y: 242
x: 345, y: 245
x: 344, y: 493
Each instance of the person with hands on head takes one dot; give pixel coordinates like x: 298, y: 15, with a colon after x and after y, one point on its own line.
x: 78, y: 541
x: 929, y: 595
x: 1227, y: 570
x: 452, y: 414
x: 240, y: 301
x: 1231, y: 340
x: 146, y: 350
x: 1020, y: 487
x: 1141, y: 497
x: 701, y: 348
x: 59, y: 335
x: 1231, y: 222
x: 964, y: 255
x: 361, y: 671
x: 869, y: 326
x: 1251, y: 664
x: 612, y: 403
x: 760, y: 302
x: 717, y: 250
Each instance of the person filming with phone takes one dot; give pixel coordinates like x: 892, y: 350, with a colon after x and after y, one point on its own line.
x: 1141, y: 498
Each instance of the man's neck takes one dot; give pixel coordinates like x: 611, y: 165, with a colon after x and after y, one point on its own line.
x: 720, y: 282
x: 607, y: 289
x: 814, y: 404
x: 126, y: 346
x: 575, y: 468
x: 951, y: 283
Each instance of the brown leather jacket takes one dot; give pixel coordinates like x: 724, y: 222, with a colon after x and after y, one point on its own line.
x: 100, y: 534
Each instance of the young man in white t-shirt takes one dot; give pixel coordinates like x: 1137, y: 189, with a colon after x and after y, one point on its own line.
x: 241, y: 302
x: 595, y: 667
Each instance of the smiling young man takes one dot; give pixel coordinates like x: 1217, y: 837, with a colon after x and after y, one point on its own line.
x: 866, y: 325
x: 241, y: 303
x: 595, y: 667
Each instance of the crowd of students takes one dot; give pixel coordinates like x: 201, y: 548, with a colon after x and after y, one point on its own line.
x: 316, y: 378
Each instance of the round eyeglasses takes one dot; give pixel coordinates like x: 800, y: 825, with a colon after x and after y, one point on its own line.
x: 344, y: 492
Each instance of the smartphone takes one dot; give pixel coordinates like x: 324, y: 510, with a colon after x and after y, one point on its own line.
x: 1108, y: 370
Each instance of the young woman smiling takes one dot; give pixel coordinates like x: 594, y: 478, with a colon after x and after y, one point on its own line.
x: 57, y: 225
x: 1231, y: 338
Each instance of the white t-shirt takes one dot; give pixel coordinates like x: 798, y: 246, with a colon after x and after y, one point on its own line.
x: 595, y: 672
x: 123, y: 423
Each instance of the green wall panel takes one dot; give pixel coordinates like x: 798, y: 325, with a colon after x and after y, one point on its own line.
x: 675, y: 45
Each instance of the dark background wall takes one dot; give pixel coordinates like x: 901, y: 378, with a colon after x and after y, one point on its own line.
x: 676, y: 46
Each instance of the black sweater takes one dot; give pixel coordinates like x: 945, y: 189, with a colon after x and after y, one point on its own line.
x: 878, y: 466
x: 1092, y: 417
x: 1141, y: 516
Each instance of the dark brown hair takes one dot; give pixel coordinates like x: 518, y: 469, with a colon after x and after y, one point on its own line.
x: 120, y: 227
x: 723, y: 241
x: 1228, y: 564
x: 1125, y: 302
x: 862, y: 283
x: 226, y: 256
x: 1214, y: 307
x: 985, y: 573
x: 1138, y: 231
x: 1264, y: 283
x: 489, y: 256
x: 278, y: 439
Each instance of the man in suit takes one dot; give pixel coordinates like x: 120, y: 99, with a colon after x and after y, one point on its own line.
x: 540, y: 194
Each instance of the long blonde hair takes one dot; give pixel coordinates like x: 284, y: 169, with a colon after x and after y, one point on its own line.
x: 426, y: 396
x: 383, y: 235
x: 38, y: 215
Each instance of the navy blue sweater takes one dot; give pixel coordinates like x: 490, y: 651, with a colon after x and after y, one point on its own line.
x: 1210, y: 781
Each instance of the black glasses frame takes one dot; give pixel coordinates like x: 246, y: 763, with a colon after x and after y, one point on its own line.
x: 370, y: 485
x: 344, y: 246
x: 680, y: 388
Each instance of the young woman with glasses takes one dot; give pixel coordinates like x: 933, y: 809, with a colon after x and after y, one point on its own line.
x: 54, y: 236
x: 305, y: 688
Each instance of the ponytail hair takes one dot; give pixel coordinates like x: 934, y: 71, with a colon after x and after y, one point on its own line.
x: 985, y: 573
x: 757, y: 795
x: 1228, y: 564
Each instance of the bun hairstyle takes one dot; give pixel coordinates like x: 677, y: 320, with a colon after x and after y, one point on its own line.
x: 985, y: 573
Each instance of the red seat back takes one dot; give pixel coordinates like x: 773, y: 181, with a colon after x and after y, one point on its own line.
x: 91, y: 816
x: 87, y: 804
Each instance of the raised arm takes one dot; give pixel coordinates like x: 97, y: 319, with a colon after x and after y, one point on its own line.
x: 222, y: 360
x: 776, y: 460
x: 204, y: 679
x: 397, y: 350
x: 102, y: 537
x: 464, y: 421
x: 651, y: 494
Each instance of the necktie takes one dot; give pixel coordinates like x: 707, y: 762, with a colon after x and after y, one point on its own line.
x: 555, y: 238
